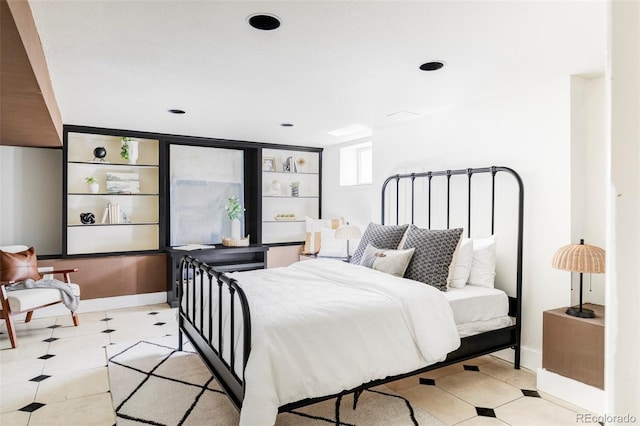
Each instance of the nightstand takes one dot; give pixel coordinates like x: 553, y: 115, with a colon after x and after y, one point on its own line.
x: 574, y: 347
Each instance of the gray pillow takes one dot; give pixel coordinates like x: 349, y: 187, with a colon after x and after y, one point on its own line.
x: 392, y: 262
x: 433, y: 255
x: 381, y: 236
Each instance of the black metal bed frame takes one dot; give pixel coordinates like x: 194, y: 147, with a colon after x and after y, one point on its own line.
x: 196, y: 276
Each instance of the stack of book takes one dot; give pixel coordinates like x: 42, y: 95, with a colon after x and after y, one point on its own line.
x: 112, y: 214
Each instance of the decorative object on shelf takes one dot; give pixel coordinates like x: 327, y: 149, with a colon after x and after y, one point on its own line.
x: 231, y: 242
x: 289, y: 165
x: 276, y: 187
x: 93, y: 184
x: 129, y: 150
x: 580, y: 258
x: 99, y: 153
x: 295, y: 188
x: 348, y: 232
x: 87, y: 218
x: 234, y: 212
x: 269, y: 164
x: 285, y: 216
x: 123, y: 183
x: 301, y: 162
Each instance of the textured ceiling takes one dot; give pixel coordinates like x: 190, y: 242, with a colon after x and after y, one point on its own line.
x: 331, y: 65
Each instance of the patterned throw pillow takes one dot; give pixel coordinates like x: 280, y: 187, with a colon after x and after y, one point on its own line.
x: 433, y: 255
x: 392, y: 262
x: 381, y: 236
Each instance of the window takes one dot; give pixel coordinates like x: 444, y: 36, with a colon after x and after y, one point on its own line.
x: 356, y: 164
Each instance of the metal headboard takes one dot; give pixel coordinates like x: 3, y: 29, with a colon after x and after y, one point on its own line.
x: 447, y: 174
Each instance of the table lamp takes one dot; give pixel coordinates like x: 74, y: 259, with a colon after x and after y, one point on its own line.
x: 348, y: 232
x: 580, y: 258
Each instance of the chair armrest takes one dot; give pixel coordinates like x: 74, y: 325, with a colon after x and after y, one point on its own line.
x: 65, y: 272
x: 61, y: 271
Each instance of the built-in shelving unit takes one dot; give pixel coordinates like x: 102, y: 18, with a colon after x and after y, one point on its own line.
x: 130, y: 187
x: 283, y: 208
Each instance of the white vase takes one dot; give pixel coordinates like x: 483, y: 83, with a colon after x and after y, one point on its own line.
x: 94, y: 187
x: 235, y: 229
x: 133, y: 152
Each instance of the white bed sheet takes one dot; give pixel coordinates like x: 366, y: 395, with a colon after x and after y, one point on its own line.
x: 302, y: 349
x: 474, y: 303
x: 478, y: 309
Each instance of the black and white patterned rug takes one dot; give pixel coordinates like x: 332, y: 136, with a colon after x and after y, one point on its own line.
x: 153, y: 383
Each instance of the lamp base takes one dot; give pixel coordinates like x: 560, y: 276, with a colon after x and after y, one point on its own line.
x: 580, y: 312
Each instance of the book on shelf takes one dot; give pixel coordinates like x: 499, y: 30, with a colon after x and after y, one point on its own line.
x: 190, y: 247
x: 114, y: 215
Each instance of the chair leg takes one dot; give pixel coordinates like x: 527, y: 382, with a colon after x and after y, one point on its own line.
x: 76, y: 319
x: 11, y: 331
x: 29, y: 315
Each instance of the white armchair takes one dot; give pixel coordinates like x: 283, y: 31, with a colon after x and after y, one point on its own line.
x: 18, y: 263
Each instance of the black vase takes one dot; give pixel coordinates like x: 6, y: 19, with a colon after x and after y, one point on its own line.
x: 99, y: 152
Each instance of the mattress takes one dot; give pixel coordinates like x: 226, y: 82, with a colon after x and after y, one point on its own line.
x: 478, y: 309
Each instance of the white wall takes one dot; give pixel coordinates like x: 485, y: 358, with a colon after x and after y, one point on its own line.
x: 351, y: 202
x: 31, y: 194
x: 526, y: 129
x: 588, y: 177
x: 622, y: 334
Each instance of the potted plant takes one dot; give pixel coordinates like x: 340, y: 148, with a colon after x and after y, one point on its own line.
x: 93, y: 184
x: 234, y: 212
x: 129, y: 149
x: 295, y: 188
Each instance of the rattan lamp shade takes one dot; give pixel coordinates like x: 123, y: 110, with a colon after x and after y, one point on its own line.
x: 579, y: 258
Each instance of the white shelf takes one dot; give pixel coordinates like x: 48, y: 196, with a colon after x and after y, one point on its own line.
x: 142, y: 208
x: 277, y: 198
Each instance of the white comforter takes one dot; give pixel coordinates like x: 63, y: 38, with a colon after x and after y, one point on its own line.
x: 323, y: 326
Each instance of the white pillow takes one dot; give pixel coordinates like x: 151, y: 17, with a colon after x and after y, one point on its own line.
x: 392, y: 262
x: 460, y: 268
x: 331, y: 247
x: 312, y: 242
x: 483, y: 268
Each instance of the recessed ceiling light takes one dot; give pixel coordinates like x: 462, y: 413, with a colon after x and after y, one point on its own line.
x: 263, y: 21
x: 176, y: 111
x: 432, y: 66
x: 286, y: 124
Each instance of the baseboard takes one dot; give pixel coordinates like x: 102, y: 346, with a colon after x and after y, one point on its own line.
x: 103, y: 304
x: 529, y: 359
x: 577, y: 393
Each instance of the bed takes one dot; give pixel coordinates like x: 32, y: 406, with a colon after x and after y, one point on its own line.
x: 284, y: 338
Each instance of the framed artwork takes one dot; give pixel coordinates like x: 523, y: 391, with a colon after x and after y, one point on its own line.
x: 269, y: 164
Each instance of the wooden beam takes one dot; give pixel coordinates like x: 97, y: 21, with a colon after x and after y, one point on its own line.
x: 28, y: 107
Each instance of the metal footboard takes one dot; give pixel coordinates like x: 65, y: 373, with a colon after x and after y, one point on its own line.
x: 214, y: 316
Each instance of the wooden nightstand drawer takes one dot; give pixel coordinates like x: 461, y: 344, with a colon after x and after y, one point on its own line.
x: 574, y: 347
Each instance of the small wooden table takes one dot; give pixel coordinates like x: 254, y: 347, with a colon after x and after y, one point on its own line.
x: 574, y: 347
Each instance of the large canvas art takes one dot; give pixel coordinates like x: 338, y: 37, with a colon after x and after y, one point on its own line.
x: 202, y: 180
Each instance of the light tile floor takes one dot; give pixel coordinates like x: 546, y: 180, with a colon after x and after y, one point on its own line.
x: 58, y: 376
